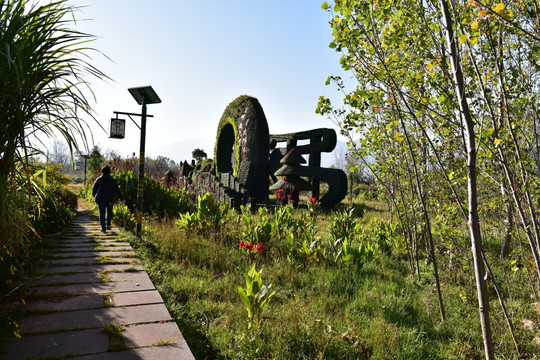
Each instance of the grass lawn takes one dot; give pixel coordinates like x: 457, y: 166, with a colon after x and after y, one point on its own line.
x: 321, y: 310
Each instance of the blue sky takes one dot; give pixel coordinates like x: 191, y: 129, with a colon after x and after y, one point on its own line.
x: 199, y: 56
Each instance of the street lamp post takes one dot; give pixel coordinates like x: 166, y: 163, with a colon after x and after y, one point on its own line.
x: 85, y: 157
x: 143, y: 95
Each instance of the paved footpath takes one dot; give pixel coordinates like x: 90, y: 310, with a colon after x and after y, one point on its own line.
x: 95, y: 301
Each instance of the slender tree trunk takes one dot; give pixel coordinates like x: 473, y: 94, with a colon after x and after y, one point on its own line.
x: 509, y: 222
x: 427, y: 220
x: 432, y: 255
x: 529, y: 220
x: 473, y: 219
x: 531, y: 237
x: 503, y: 306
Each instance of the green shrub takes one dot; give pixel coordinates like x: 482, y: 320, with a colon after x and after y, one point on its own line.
x: 124, y: 218
x: 53, y: 204
x: 210, y: 216
x: 256, y: 229
x: 158, y: 198
x: 50, y: 207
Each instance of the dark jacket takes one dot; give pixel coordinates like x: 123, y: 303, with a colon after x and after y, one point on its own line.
x: 104, y: 189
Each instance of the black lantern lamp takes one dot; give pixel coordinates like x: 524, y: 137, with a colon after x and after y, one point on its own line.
x: 118, y: 128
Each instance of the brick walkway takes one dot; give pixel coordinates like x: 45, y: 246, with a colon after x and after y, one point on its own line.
x: 91, y: 282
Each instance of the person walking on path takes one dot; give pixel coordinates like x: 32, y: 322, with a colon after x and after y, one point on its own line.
x: 104, y: 189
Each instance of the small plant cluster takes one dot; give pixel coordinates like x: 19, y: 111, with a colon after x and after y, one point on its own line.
x: 300, y: 235
x: 281, y: 230
x: 295, y: 235
x: 208, y: 218
x: 314, y: 207
x: 53, y: 205
x: 124, y: 218
x: 251, y: 250
x: 350, y: 242
x: 255, y: 229
x: 287, y: 194
x: 255, y: 296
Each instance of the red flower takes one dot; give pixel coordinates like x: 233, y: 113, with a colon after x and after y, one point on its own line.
x: 312, y: 200
x: 259, y: 248
x: 241, y: 244
x: 249, y: 246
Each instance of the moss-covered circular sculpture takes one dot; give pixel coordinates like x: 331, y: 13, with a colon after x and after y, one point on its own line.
x: 242, y: 145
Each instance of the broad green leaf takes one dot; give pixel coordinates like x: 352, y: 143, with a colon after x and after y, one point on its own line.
x: 325, y: 6
x: 264, y: 290
x: 399, y: 137
x: 265, y: 301
x: 252, y: 272
x: 245, y: 300
x: 462, y: 38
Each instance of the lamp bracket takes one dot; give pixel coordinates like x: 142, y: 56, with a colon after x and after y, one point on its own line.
x: 130, y: 116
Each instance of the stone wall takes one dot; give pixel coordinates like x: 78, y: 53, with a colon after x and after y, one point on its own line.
x: 224, y: 188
